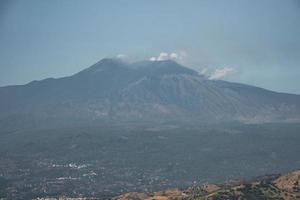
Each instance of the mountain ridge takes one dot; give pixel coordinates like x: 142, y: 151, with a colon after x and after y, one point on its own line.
x: 129, y: 65
x: 115, y: 91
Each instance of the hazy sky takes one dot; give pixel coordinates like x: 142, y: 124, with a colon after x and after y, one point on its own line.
x: 255, y: 41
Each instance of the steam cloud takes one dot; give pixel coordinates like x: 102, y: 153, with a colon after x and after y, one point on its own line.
x: 221, y: 73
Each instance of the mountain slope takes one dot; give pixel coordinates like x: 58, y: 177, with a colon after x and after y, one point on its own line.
x: 272, y: 187
x: 161, y: 91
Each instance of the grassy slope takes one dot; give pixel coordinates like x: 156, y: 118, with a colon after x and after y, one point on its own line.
x: 284, y: 187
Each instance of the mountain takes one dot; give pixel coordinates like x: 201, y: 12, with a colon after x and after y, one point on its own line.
x: 272, y: 187
x: 113, y: 91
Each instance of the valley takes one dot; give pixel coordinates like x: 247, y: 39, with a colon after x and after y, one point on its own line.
x: 104, y: 162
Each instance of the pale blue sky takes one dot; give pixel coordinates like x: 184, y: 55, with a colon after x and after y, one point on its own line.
x: 258, y: 40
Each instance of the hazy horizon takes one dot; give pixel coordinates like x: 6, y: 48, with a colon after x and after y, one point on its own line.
x: 251, y: 42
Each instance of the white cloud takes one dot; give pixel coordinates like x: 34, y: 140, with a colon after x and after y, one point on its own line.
x: 170, y: 56
x: 221, y: 73
x: 121, y: 56
x: 163, y: 56
x: 152, y: 59
x: 173, y: 56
